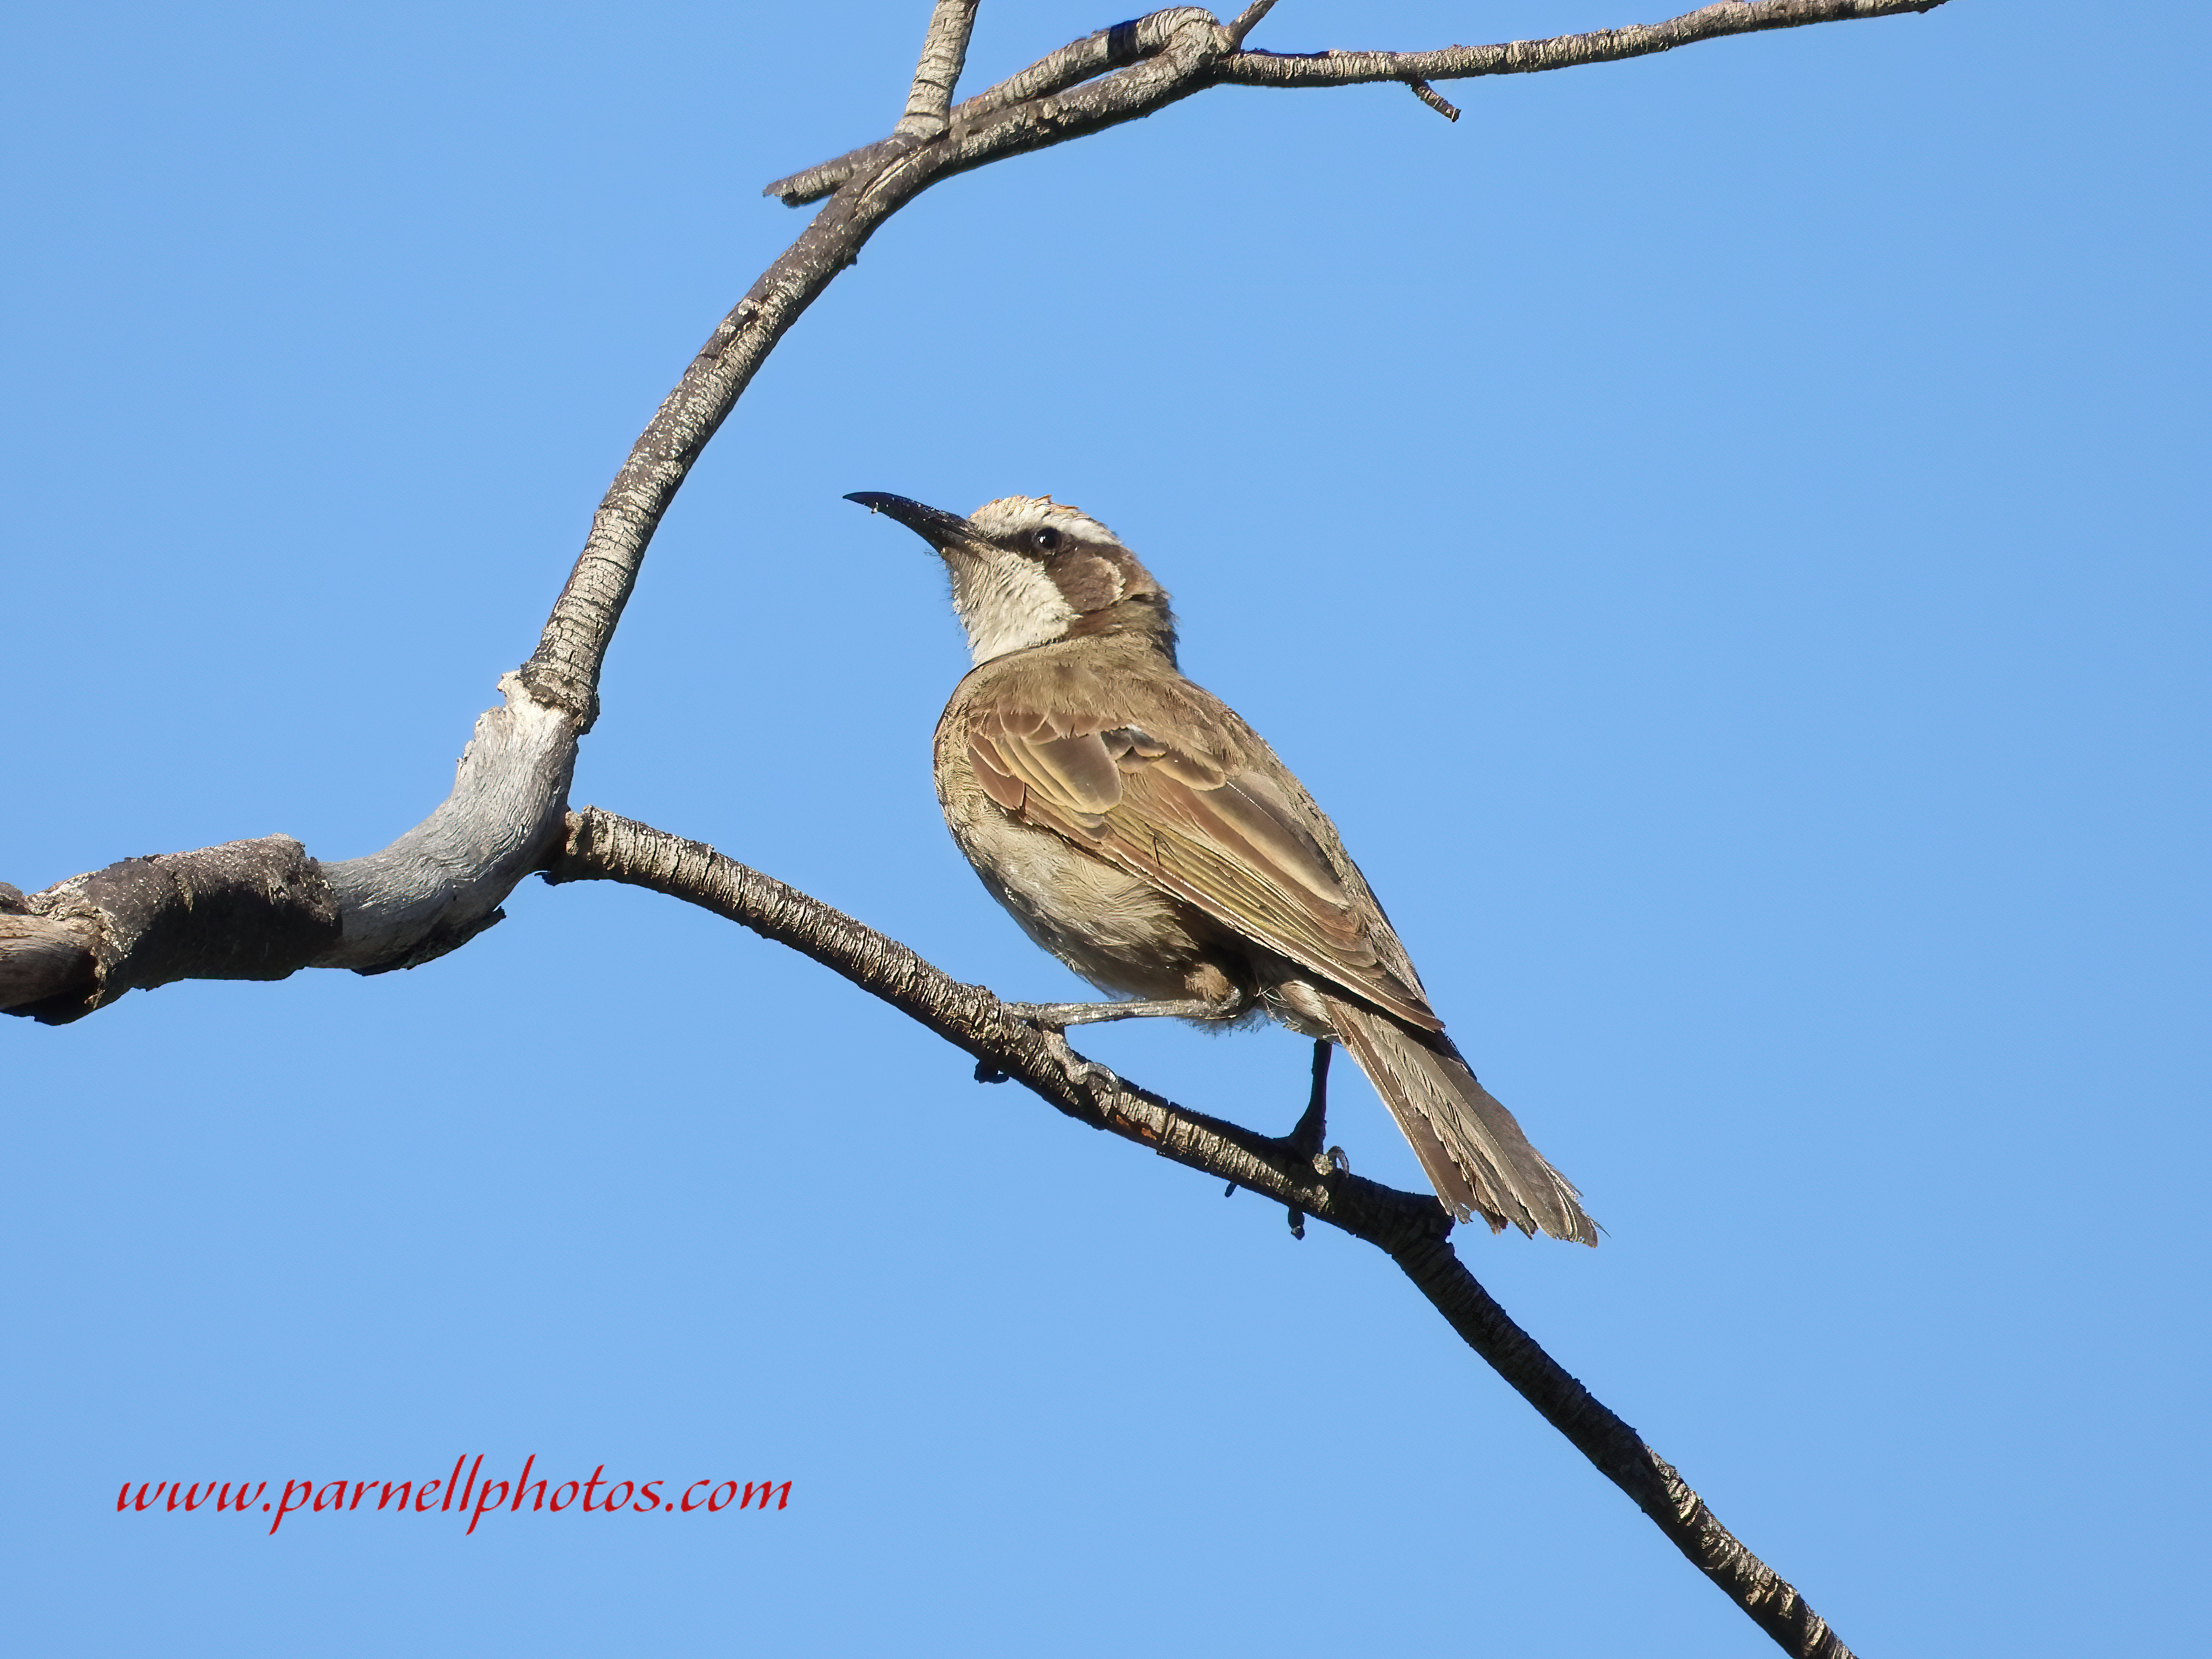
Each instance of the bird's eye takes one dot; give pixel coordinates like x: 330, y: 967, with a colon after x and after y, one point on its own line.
x: 1044, y: 540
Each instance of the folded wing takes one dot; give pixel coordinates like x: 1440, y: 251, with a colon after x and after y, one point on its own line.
x: 1224, y: 837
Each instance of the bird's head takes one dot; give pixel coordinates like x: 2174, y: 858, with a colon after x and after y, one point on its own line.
x: 1029, y: 571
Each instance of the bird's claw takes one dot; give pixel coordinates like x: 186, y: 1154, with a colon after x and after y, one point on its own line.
x: 1085, y: 1072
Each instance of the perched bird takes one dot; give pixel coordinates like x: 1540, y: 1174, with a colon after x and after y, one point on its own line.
x: 1146, y: 836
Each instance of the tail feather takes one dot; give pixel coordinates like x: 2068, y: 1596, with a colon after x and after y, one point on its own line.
x: 1475, y: 1155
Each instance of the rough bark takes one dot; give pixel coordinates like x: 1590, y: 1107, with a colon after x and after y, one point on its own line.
x: 1346, y: 68
x: 944, y: 55
x: 441, y: 883
x: 247, y: 910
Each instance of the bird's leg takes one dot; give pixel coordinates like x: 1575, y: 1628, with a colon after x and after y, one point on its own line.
x: 1058, y: 1016
x: 1053, y: 1018
x: 1307, y: 1134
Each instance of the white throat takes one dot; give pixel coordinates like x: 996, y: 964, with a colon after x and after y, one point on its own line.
x: 1007, y: 603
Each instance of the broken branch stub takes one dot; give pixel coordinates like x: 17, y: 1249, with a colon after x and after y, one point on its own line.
x: 264, y: 909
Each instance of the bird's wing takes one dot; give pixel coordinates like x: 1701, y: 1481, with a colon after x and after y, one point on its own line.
x: 1205, y: 821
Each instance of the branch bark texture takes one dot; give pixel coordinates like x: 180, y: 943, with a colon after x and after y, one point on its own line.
x: 944, y: 55
x: 1344, y: 69
x: 247, y: 910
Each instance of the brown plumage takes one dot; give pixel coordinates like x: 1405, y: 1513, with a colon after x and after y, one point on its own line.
x: 1139, y: 830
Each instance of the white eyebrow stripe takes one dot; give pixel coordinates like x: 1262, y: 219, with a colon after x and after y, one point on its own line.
x: 1011, y: 514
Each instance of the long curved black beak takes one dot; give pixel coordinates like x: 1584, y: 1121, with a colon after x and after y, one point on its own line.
x: 939, y: 529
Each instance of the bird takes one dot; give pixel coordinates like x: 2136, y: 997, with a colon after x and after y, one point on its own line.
x: 1139, y: 830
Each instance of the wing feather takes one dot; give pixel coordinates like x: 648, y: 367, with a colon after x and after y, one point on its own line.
x: 1227, y: 838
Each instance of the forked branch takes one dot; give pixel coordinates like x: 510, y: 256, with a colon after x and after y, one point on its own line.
x: 1228, y: 63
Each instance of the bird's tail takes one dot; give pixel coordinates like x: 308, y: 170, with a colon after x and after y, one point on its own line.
x: 1476, y: 1157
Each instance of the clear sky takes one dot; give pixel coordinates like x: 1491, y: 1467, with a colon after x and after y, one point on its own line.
x: 1721, y: 533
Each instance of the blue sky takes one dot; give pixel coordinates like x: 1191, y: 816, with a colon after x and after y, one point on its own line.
x: 1720, y: 534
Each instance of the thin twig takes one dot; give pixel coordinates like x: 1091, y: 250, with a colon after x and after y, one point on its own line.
x: 1248, y: 19
x: 1412, y: 1228
x: 1345, y: 68
x: 1620, y: 1453
x: 943, y: 54
x: 1429, y: 95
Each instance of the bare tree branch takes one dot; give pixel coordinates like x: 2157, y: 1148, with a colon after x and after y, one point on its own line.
x: 263, y: 909
x: 441, y: 883
x: 944, y: 55
x: 1123, y: 44
x: 1411, y: 1228
x: 249, y: 909
x: 1768, y: 1599
x: 1344, y: 69
x: 43, y: 958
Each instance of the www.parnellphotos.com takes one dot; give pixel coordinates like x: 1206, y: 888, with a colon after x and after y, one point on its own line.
x: 453, y: 1495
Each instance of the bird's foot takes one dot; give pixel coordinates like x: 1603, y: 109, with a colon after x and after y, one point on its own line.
x: 1307, y: 1134
x: 1085, y: 1073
